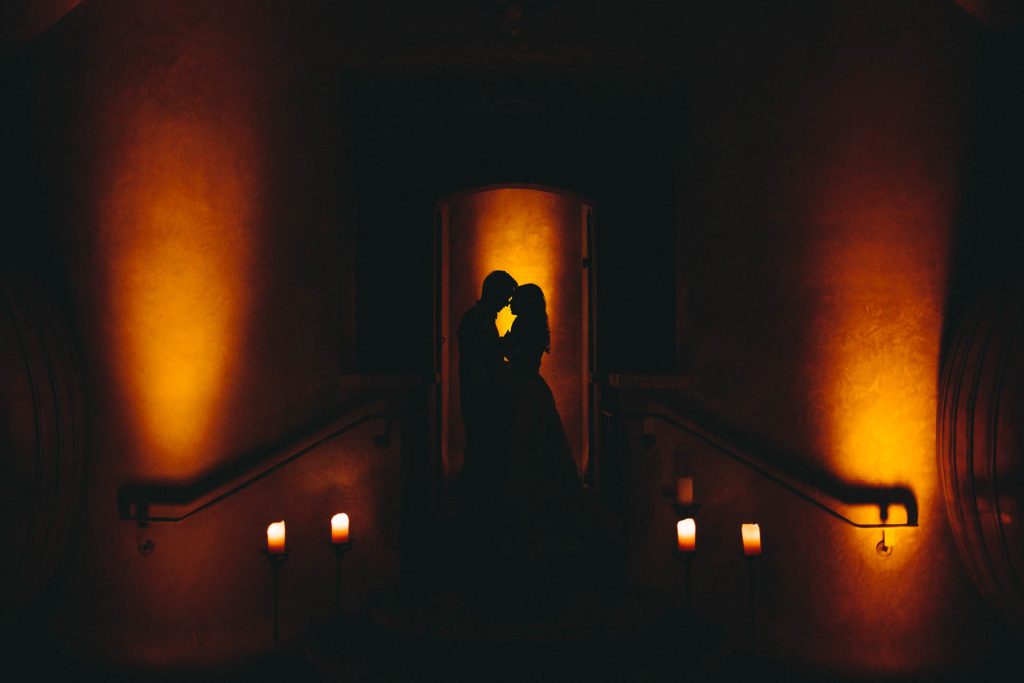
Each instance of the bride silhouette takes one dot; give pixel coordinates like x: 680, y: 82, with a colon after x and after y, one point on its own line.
x: 547, y: 533
x: 542, y: 513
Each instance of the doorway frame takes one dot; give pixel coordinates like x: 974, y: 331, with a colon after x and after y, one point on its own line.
x: 441, y: 422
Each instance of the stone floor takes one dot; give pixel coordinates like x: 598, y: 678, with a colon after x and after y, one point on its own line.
x: 438, y: 638
x: 438, y: 635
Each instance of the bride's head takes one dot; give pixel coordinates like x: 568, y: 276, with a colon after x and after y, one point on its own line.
x: 528, y: 300
x: 531, y: 313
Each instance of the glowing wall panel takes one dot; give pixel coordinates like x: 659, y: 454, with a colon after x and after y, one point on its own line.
x: 190, y: 150
x: 878, y: 341
x: 537, y: 236
x: 175, y: 228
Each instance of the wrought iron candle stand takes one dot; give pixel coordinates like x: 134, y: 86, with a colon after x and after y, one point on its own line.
x: 339, y: 550
x: 753, y: 612
x: 684, y: 511
x: 277, y: 561
x: 687, y: 559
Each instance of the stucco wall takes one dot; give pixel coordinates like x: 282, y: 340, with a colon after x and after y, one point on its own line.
x: 191, y: 175
x: 822, y: 200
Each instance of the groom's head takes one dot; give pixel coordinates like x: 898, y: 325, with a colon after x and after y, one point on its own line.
x: 497, y: 290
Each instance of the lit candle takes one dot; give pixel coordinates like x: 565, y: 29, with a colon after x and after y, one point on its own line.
x: 684, y: 490
x: 751, y: 539
x: 686, y: 535
x: 339, y: 528
x: 275, y: 538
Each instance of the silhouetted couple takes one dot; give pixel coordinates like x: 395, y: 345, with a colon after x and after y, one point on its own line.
x: 523, y: 511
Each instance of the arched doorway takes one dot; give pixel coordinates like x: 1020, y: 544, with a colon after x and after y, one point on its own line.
x: 538, y: 234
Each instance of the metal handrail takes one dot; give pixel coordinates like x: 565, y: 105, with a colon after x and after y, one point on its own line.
x: 175, y: 503
x: 883, y: 497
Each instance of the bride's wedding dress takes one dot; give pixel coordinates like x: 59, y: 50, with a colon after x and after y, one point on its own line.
x: 544, y: 512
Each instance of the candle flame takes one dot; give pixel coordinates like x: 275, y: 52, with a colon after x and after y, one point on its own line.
x: 339, y: 528
x: 276, y: 537
x: 686, y: 534
x: 751, y: 534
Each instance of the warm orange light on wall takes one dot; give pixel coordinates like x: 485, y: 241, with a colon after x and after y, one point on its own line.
x: 875, y: 345
x: 537, y: 236
x: 520, y: 232
x: 885, y: 317
x: 175, y: 232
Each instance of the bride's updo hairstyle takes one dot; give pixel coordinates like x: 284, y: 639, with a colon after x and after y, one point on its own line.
x: 531, y: 309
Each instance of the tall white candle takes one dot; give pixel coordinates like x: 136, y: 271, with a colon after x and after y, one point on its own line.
x: 275, y: 538
x: 751, y: 539
x: 686, y: 535
x: 339, y: 528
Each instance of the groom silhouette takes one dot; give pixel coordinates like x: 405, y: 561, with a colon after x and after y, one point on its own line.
x: 481, y: 364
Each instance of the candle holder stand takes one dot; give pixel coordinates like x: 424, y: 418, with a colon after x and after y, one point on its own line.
x: 277, y: 561
x: 687, y: 559
x: 339, y: 550
x: 684, y: 510
x: 753, y: 612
